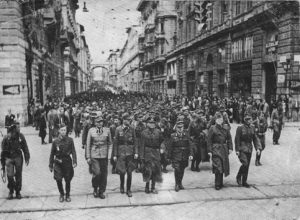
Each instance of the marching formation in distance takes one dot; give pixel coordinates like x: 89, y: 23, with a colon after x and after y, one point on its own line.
x: 138, y: 132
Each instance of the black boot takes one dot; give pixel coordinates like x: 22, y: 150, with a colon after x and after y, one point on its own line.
x: 153, y: 190
x: 176, y: 174
x: 259, y: 164
x: 193, y: 165
x: 95, y: 193
x: 10, y: 195
x: 147, y: 188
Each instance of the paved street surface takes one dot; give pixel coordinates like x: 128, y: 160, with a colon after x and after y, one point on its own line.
x: 275, y: 191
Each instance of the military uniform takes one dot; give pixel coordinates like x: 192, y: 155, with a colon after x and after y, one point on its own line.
x: 245, y: 136
x: 124, y: 149
x: 11, y: 156
x: 276, y: 124
x: 261, y: 126
x: 219, y: 143
x: 61, y: 162
x: 151, y: 140
x: 181, y: 147
x: 196, y: 132
x: 98, y: 143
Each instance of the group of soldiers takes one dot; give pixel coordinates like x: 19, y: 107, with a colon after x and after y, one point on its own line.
x: 142, y: 134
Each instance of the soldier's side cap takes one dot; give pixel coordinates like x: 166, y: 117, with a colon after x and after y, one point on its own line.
x: 218, y: 115
x: 185, y: 108
x: 62, y: 125
x: 150, y: 120
x: 99, y: 119
x: 179, y: 121
x: 247, y: 117
x: 93, y: 114
x: 125, y: 116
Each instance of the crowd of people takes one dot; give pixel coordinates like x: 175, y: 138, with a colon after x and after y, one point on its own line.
x: 138, y: 132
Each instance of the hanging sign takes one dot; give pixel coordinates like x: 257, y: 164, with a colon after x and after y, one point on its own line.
x: 11, y: 89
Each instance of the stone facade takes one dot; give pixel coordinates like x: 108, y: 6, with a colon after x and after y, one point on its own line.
x: 130, y: 76
x: 113, y: 65
x: 239, y: 53
x: 156, y: 41
x: 34, y: 40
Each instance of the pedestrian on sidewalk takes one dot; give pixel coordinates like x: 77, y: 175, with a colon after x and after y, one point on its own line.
x: 9, y: 119
x: 43, y: 126
x: 151, y: 139
x: 61, y: 162
x: 219, y: 143
x: 125, y: 152
x: 181, y: 149
x: 12, y: 147
x: 277, y: 123
x: 98, y: 143
x: 261, y: 126
x: 245, y: 136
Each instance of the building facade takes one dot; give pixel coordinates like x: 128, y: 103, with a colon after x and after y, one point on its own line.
x: 242, y: 51
x: 158, y: 22
x: 130, y: 75
x: 84, y: 62
x: 35, y: 39
x: 235, y: 48
x: 113, y: 62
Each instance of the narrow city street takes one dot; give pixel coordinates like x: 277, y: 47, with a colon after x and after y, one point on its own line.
x: 274, y: 194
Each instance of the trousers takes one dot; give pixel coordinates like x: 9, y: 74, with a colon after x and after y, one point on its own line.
x: 99, y: 171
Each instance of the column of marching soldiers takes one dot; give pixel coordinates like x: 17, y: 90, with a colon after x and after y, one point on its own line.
x: 136, y: 132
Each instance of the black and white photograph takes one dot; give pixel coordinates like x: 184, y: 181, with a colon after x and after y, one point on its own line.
x: 150, y: 109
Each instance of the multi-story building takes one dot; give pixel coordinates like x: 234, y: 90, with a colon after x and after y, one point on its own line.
x: 130, y: 75
x: 35, y: 37
x: 70, y: 36
x: 84, y: 62
x: 248, y: 48
x: 158, y: 22
x: 113, y: 62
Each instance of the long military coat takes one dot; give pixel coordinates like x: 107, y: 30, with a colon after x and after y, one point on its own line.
x: 219, y: 143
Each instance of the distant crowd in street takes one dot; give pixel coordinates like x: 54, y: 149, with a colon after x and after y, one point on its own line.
x: 145, y: 133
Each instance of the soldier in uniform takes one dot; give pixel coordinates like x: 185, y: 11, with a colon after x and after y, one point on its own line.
x: 150, y: 149
x: 180, y: 151
x: 165, y: 129
x: 98, y: 143
x: 112, y: 131
x: 140, y: 127
x: 9, y: 119
x: 219, y: 143
x: 245, y: 136
x: 261, y: 126
x: 13, y: 144
x: 196, y: 132
x: 53, y: 123
x: 125, y: 151
x: 61, y: 162
x: 277, y: 123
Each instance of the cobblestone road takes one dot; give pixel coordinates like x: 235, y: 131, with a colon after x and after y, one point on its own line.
x: 275, y: 193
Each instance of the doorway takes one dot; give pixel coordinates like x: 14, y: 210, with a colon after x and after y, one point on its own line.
x: 270, y: 81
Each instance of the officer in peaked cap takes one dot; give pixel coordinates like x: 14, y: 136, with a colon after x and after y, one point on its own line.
x: 125, y: 150
x: 219, y: 146
x: 245, y: 136
x: 181, y: 150
x: 150, y: 146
